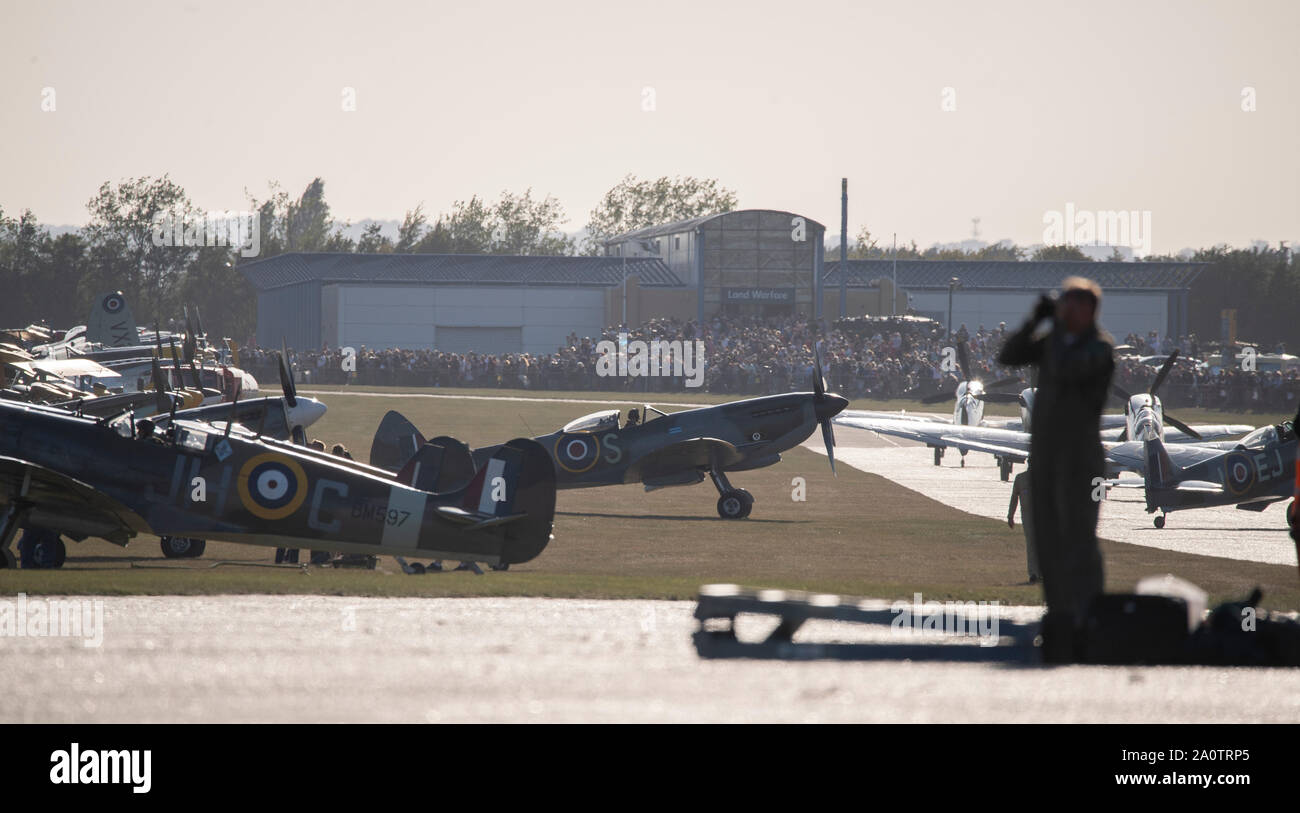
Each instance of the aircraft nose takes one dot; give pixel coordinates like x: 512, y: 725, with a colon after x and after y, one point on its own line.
x: 830, y: 406
x: 306, y: 412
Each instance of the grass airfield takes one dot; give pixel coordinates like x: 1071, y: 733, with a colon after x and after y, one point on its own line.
x: 857, y: 534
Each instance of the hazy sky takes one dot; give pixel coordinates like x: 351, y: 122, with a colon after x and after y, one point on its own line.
x: 1103, y: 105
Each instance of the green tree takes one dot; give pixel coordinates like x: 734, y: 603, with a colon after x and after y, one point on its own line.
x: 636, y: 204
x: 1056, y: 253
x: 125, y: 220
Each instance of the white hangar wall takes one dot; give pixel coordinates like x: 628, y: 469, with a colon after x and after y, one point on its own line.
x: 486, y: 319
x: 1122, y: 312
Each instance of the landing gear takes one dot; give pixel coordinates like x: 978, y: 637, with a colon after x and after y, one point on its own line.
x: 963, y: 458
x: 12, y: 517
x: 1004, y: 469
x: 42, y: 549
x: 500, y: 567
x: 182, y: 547
x: 938, y: 454
x: 320, y: 557
x: 733, y: 503
x: 1159, y: 521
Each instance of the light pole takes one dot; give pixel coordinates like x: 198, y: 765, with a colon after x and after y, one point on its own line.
x: 893, y: 302
x: 954, y: 284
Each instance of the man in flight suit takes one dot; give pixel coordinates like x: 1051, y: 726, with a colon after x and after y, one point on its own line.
x: 1075, y: 364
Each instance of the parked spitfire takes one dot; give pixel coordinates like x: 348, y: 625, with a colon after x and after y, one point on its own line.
x: 63, y: 474
x: 660, y: 449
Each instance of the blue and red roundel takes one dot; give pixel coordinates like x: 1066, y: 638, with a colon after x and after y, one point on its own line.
x: 577, y: 453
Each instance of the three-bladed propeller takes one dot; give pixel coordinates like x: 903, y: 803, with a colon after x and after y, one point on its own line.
x: 825, y: 406
x: 1165, y: 369
x: 963, y: 362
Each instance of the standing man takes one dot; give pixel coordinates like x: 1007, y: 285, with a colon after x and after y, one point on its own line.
x: 1022, y: 494
x: 1075, y: 365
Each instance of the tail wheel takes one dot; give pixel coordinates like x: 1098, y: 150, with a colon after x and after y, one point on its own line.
x: 42, y: 549
x: 182, y: 547
x: 1159, y: 521
x: 735, y: 504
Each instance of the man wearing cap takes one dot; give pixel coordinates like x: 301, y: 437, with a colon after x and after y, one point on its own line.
x: 1075, y: 365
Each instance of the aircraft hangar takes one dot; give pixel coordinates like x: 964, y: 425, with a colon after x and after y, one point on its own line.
x: 1137, y: 297
x: 753, y: 262
x: 449, y: 302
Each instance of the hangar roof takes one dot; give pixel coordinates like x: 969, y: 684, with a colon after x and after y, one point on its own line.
x: 453, y: 269
x: 1008, y: 275
x: 693, y: 223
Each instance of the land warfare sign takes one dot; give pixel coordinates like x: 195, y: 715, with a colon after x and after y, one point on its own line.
x: 760, y: 296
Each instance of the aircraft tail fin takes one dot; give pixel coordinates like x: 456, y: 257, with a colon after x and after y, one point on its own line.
x: 513, y: 492
x: 396, y: 442
x: 111, y: 322
x: 441, y: 465
x: 1159, y: 472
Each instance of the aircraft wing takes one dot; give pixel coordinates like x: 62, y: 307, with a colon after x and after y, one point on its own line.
x: 901, y: 415
x: 690, y: 454
x: 1131, y: 454
x: 1001, y: 442
x: 1207, y: 431
x: 65, y: 503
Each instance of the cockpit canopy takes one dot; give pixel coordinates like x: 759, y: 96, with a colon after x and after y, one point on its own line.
x: 595, y: 422
x: 1267, y: 436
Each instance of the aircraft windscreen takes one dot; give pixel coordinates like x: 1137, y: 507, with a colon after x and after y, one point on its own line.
x: 596, y: 421
x: 1263, y: 436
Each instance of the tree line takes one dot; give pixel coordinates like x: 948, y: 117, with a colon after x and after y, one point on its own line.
x: 54, y: 278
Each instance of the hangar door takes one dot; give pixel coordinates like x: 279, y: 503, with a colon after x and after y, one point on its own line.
x: 479, y: 339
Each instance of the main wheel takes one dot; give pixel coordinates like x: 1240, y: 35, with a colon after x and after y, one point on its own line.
x: 938, y: 455
x: 7, y: 560
x: 1159, y: 521
x: 42, y: 549
x: 504, y: 566
x: 417, y: 569
x: 181, y: 547
x: 1004, y: 469
x: 320, y: 557
x: 735, y: 504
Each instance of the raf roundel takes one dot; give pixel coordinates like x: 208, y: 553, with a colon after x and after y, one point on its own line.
x: 112, y: 303
x: 577, y: 453
x: 1238, y: 473
x: 272, y: 486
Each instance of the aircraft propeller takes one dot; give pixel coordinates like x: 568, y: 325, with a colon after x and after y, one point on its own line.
x: 290, y: 391
x: 963, y: 362
x: 1165, y: 369
x: 825, y: 406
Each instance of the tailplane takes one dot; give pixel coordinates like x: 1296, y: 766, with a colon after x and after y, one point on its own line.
x: 513, y: 493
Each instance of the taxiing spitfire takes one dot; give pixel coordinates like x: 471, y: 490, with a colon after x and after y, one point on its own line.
x: 1254, y: 474
x: 660, y: 449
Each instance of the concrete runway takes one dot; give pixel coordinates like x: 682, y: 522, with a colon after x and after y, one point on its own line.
x: 328, y: 658
x: 1222, y: 531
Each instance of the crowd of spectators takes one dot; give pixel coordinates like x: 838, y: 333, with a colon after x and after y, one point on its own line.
x: 879, y: 358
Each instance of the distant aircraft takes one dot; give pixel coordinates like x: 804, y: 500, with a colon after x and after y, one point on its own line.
x: 660, y: 449
x: 62, y: 474
x: 1144, y: 415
